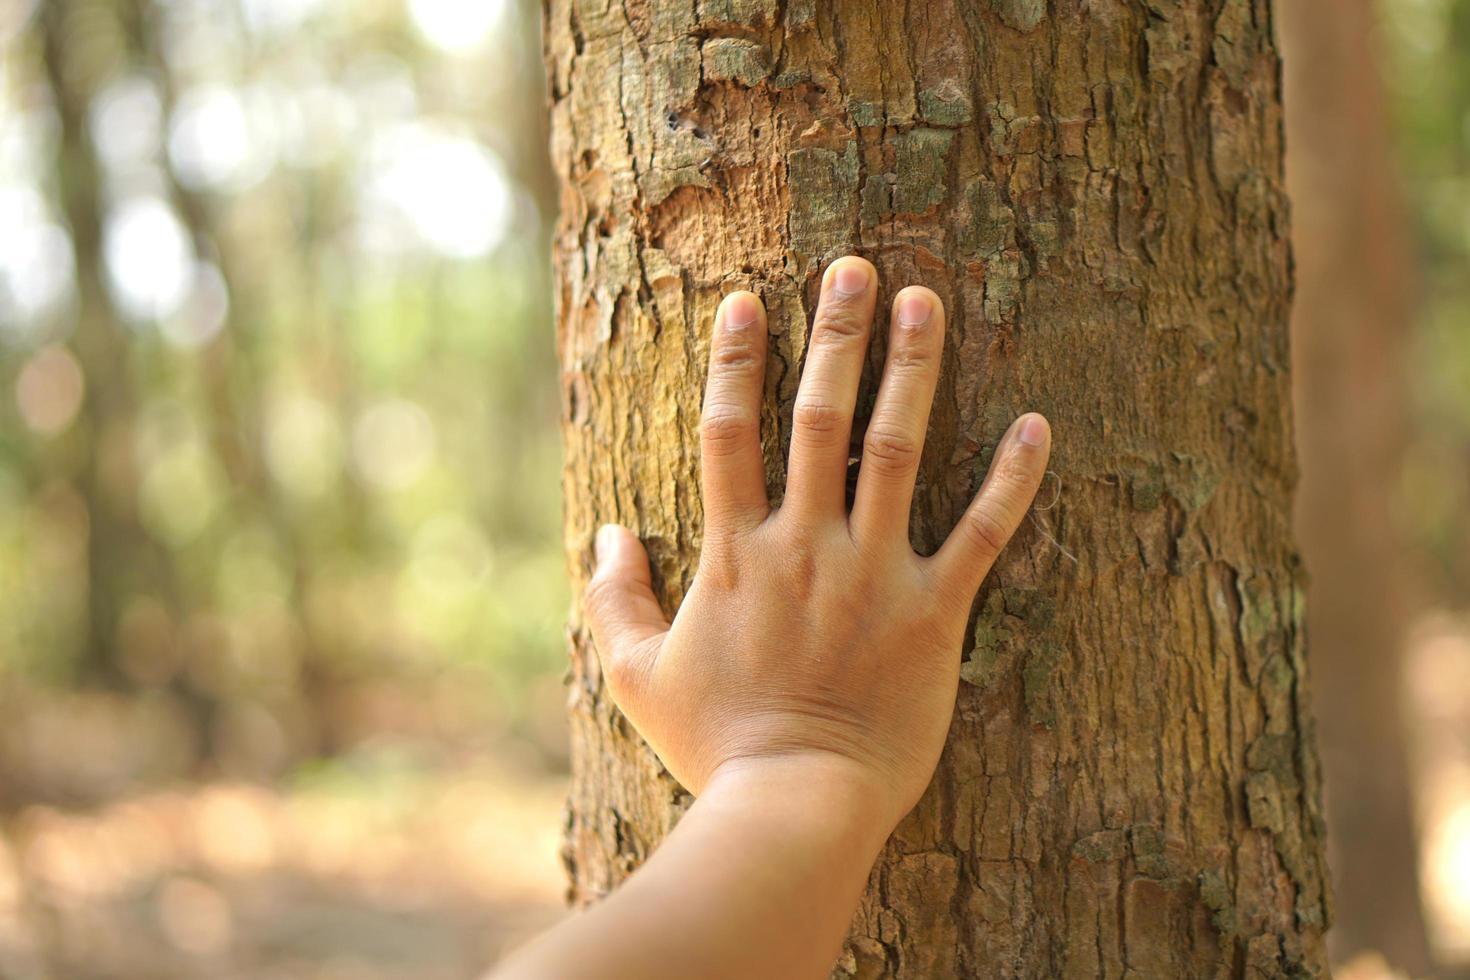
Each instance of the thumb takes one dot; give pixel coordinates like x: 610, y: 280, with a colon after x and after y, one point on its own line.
x: 627, y: 623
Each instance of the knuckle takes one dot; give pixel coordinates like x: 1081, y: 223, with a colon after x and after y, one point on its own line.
x: 890, y: 449
x: 736, y: 357
x: 818, y: 417
x: 719, y: 566
x: 986, y: 530
x: 799, y: 570
x: 1013, y: 477
x: 911, y: 357
x: 724, y: 430
x: 839, y: 321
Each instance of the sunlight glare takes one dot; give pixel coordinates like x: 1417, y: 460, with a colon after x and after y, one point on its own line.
x: 201, y: 315
x: 444, y: 191
x: 212, y: 143
x: 1446, y: 875
x: 150, y: 261
x: 456, y: 25
x: 36, y: 262
x: 267, y: 16
x: 126, y: 120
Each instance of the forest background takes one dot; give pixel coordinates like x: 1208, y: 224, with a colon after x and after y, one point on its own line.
x: 281, y: 582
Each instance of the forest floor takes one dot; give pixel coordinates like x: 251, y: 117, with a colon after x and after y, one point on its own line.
x: 393, y: 863
x: 433, y: 880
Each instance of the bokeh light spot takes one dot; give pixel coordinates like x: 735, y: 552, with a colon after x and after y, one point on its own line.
x: 49, y: 391
x: 36, y: 260
x: 180, y: 494
x: 303, y: 445
x: 393, y: 444
x: 456, y: 25
x: 435, y: 189
x: 213, y: 143
x: 126, y: 122
x: 201, y: 315
x: 150, y: 261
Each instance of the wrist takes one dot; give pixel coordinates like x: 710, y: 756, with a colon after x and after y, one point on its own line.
x: 822, y: 796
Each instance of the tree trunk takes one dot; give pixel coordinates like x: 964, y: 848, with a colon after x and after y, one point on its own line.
x: 1095, y: 189
x: 1352, y: 318
x: 123, y: 562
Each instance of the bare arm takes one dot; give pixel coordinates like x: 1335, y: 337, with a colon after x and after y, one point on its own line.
x: 804, y: 689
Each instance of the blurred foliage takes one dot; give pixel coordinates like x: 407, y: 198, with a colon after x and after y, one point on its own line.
x: 278, y: 446
x: 1428, y: 79
x: 278, y: 450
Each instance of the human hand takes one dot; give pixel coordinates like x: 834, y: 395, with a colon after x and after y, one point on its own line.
x: 812, y: 639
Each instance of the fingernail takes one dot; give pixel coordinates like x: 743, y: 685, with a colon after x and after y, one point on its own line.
x: 741, y: 310
x: 607, y: 537
x: 1032, y: 431
x: 915, y: 308
x: 851, y: 278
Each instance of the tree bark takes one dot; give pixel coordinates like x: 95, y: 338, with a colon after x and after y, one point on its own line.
x: 1095, y: 189
x: 1351, y: 321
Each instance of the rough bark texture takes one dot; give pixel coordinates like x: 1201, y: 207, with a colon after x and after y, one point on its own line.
x: 1095, y: 189
x: 1350, y: 325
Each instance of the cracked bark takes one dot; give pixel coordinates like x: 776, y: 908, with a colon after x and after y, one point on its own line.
x: 1095, y: 189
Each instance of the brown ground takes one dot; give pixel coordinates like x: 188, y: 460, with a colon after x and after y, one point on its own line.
x: 429, y: 881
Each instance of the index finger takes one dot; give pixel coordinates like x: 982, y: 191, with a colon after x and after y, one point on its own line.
x: 998, y: 509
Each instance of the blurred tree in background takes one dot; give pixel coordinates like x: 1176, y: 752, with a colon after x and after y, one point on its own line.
x: 1426, y: 48
x: 277, y: 461
x: 1428, y: 43
x: 278, y: 487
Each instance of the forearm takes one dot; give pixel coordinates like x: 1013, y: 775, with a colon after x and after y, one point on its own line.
x: 760, y: 878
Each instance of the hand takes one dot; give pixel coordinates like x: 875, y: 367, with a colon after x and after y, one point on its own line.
x: 811, y: 637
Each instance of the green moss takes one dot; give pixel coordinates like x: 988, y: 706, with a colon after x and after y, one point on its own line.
x: 1003, y: 275
x: 1023, y: 15
x: 922, y: 167
x: 750, y: 12
x: 1192, y: 481
x: 991, y: 225
x: 1214, y: 894
x: 1263, y: 802
x: 877, y: 200
x: 800, y: 13
x: 737, y: 60
x: 1037, y: 609
x: 1036, y: 681
x: 993, y: 631
x: 1104, y: 845
x: 1257, y: 610
x: 1146, y: 490
x: 823, y: 188
x: 1001, y: 114
x: 1271, y: 753
x: 866, y: 113
x: 1148, y: 852
x: 946, y: 105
